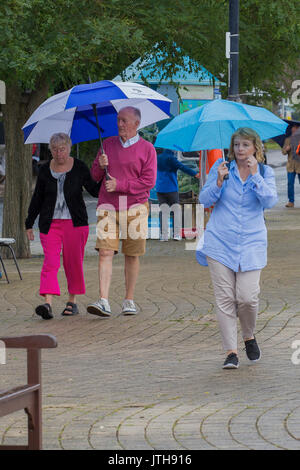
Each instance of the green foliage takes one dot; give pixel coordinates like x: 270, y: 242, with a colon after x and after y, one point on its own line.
x: 187, y: 182
x: 71, y: 40
x: 269, y: 43
x: 149, y: 133
x: 66, y: 41
x: 87, y: 151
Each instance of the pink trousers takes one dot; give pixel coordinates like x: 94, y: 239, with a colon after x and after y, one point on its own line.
x: 63, y: 236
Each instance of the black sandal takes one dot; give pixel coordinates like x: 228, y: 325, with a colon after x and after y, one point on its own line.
x: 44, y: 311
x: 71, y: 311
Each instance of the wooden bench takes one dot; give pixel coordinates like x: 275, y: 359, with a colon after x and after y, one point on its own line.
x: 27, y: 397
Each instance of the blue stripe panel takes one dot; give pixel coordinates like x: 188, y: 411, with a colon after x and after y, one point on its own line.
x: 163, y: 105
x: 84, y: 124
x: 27, y: 130
x: 94, y: 93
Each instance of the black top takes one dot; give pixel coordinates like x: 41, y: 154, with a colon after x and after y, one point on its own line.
x: 44, y: 197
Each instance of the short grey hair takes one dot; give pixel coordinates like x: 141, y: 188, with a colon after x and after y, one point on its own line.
x: 135, y: 111
x: 60, y: 137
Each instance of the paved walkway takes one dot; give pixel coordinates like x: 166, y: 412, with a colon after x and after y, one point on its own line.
x: 155, y: 381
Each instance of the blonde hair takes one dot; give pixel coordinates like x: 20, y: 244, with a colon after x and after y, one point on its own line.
x: 248, y: 134
x: 60, y: 137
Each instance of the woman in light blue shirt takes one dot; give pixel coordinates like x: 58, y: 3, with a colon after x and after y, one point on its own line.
x: 234, y: 245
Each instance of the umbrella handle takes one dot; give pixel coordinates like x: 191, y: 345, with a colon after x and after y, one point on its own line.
x: 107, y: 177
x: 226, y: 176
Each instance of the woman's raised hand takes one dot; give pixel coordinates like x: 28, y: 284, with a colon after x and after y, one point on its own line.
x: 222, y: 171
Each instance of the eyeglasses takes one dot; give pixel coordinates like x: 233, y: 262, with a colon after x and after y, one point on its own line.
x: 58, y: 149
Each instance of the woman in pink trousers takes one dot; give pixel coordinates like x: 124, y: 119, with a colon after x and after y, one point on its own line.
x: 63, y: 222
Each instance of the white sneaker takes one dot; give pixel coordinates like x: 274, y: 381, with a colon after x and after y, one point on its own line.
x: 129, y: 307
x: 164, y: 239
x: 178, y: 238
x: 100, y: 308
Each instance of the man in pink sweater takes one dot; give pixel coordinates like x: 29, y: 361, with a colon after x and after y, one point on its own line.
x: 130, y: 162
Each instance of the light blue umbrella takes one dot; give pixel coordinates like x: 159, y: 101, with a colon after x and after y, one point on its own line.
x: 211, y: 126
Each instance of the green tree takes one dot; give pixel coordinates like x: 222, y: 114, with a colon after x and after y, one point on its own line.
x: 269, y: 45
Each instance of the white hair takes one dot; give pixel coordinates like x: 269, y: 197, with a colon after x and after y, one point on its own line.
x: 135, y: 111
x: 60, y: 137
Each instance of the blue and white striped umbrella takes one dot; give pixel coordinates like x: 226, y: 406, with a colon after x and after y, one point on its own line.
x: 72, y: 111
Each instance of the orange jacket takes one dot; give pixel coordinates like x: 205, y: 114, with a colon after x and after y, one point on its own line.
x: 212, y: 157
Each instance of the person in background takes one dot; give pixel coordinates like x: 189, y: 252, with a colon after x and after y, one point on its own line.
x: 35, y: 159
x: 130, y: 162
x: 63, y: 222
x: 234, y: 245
x: 167, y: 188
x: 292, y: 165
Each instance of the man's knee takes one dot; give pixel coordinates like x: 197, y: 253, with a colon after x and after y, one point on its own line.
x: 106, y: 254
x: 131, y: 259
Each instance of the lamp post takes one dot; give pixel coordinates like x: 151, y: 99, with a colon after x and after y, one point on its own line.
x: 233, y: 72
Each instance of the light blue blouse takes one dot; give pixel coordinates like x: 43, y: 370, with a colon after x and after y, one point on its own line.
x: 236, y: 234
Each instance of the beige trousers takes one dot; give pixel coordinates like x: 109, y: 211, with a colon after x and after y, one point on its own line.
x: 236, y: 296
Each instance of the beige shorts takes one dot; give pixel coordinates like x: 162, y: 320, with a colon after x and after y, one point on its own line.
x: 129, y: 226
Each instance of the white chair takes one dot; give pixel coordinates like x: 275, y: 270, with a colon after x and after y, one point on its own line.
x: 7, y: 242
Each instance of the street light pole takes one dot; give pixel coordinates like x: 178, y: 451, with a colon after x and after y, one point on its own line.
x: 233, y: 92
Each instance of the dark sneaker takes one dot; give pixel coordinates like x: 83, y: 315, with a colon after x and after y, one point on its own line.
x: 252, y: 350
x: 231, y: 361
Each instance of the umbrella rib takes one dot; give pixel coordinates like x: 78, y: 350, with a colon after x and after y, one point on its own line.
x: 197, y: 128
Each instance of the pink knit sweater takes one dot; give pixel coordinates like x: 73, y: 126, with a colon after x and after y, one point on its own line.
x: 133, y: 167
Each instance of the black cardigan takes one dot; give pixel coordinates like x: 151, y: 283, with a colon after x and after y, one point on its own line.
x: 44, y: 197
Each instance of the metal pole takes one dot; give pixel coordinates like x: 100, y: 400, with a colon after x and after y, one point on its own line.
x: 107, y: 177
x: 233, y: 92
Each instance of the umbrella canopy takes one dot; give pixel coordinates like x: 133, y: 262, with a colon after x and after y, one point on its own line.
x: 281, y: 138
x: 73, y: 111
x: 211, y: 126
